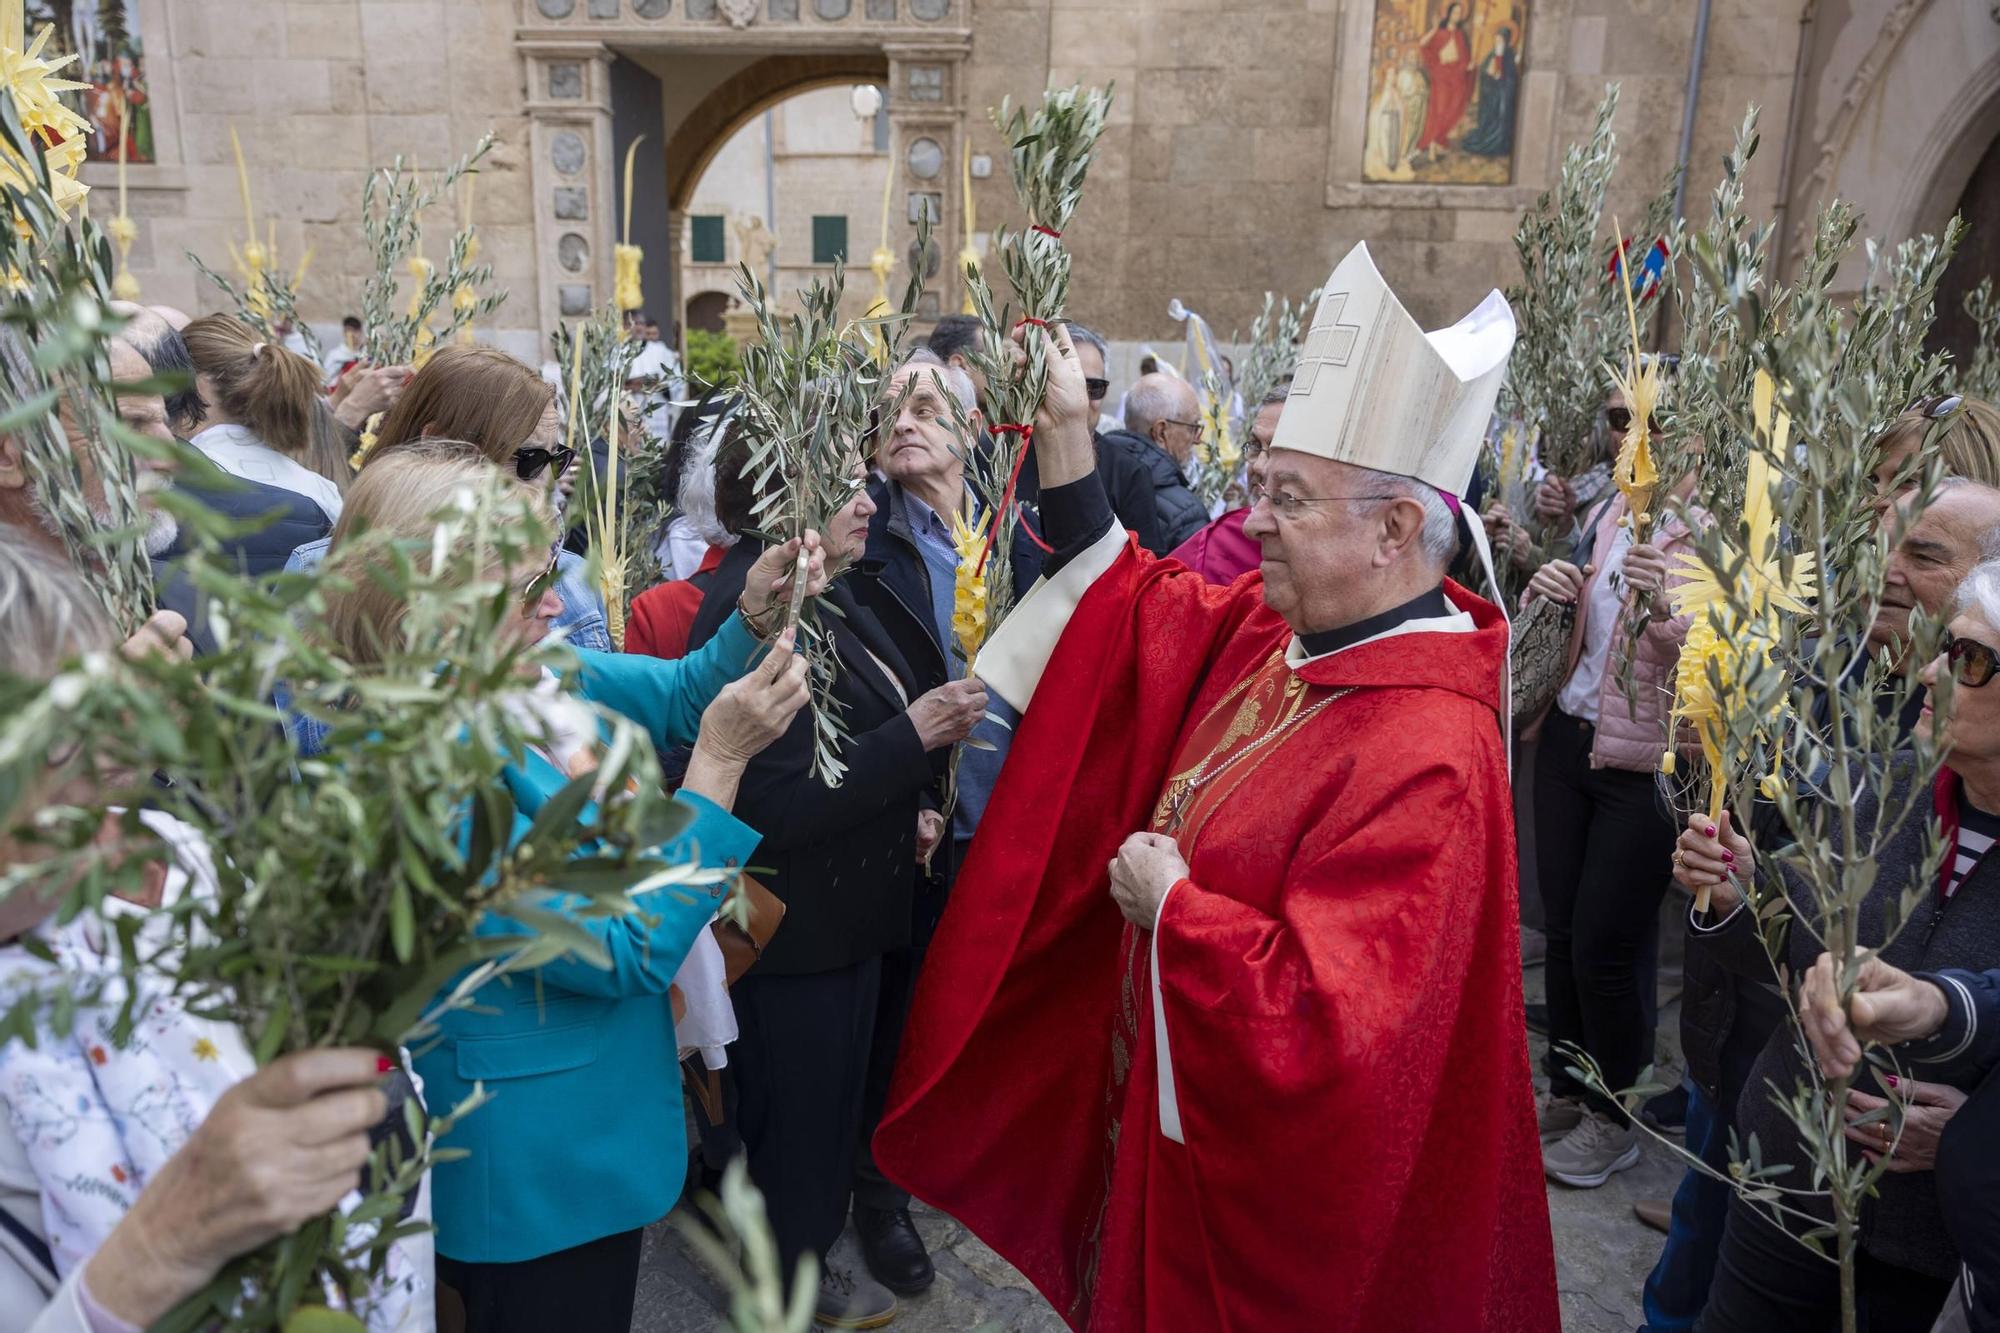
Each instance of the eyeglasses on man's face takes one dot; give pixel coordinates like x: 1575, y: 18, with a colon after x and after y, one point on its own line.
x: 1197, y: 427
x: 1290, y: 506
x: 1096, y: 388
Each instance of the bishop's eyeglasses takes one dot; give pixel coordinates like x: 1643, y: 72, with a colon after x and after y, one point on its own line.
x: 1289, y: 506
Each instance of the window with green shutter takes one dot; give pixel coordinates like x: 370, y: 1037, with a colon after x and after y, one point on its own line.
x: 829, y: 238
x: 706, y: 234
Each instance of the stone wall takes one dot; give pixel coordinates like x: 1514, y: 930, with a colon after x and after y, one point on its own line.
x: 1217, y: 176
x: 318, y: 91
x: 1232, y: 165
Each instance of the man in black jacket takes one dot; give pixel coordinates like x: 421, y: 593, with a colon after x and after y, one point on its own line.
x: 1162, y: 427
x: 907, y: 576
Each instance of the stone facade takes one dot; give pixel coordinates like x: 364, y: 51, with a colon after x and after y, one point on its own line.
x: 1232, y: 165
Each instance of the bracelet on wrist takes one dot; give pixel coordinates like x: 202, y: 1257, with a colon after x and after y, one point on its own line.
x: 756, y: 623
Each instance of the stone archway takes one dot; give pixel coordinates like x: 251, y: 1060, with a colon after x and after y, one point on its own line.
x: 704, y: 311
x: 720, y: 62
x: 1978, y: 257
x: 1896, y: 123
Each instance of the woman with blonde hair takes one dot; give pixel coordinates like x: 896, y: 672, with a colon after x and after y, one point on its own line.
x: 504, y: 408
x: 1960, y: 432
x: 155, y: 1173
x: 539, y: 1225
x: 263, y: 402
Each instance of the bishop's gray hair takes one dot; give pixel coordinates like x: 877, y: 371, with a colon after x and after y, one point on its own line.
x: 1439, y: 538
x: 955, y: 379
x: 47, y: 613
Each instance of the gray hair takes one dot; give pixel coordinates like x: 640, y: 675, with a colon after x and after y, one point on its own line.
x: 1276, y: 394
x: 1980, y: 592
x: 1439, y: 538
x: 954, y: 377
x: 696, y: 497
x: 1153, y: 398
x: 1079, y: 335
x: 47, y: 613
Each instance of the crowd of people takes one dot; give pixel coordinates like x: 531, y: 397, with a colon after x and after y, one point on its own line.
x: 1148, y: 978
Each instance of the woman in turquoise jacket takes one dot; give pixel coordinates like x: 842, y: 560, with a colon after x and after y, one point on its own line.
x: 582, y: 1143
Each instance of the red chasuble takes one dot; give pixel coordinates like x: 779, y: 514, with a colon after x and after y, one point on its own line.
x: 1336, y: 983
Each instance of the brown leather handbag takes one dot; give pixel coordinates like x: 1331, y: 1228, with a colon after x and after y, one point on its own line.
x: 742, y: 945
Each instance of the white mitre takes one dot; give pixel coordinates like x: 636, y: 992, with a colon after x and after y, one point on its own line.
x: 1373, y: 389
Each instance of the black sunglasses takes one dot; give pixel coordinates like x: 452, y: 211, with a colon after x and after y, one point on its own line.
x: 1972, y: 662
x: 1619, y: 419
x: 1940, y: 405
x: 1096, y: 388
x: 531, y: 461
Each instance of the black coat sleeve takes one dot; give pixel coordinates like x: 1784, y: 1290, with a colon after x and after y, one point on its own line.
x: 1130, y: 491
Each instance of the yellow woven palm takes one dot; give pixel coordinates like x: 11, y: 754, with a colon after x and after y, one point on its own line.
x: 37, y: 94
x: 1737, y: 616
x: 1641, y: 383
x: 968, y: 598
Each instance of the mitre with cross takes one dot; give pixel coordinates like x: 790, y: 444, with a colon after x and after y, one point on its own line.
x: 1373, y: 389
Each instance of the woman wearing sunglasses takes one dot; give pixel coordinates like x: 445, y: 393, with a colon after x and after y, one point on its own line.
x: 484, y: 396
x: 539, y: 1226
x: 1603, y: 841
x: 1765, y: 1281
x: 1960, y: 434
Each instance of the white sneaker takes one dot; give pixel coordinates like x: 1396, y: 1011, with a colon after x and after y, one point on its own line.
x: 1596, y: 1150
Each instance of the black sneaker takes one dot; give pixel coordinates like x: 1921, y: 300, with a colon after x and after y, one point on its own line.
x: 1667, y: 1112
x: 850, y: 1300
x: 893, y: 1250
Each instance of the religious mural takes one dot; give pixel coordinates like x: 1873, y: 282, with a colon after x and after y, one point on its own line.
x: 1444, y: 84
x: 106, y: 34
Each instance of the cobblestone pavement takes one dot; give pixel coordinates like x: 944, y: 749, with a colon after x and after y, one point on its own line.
x: 1603, y: 1254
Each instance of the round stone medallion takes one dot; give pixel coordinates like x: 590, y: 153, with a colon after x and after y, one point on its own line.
x: 926, y: 159
x: 573, y: 252
x: 556, y: 9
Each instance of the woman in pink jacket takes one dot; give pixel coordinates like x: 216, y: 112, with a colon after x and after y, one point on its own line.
x: 1604, y: 839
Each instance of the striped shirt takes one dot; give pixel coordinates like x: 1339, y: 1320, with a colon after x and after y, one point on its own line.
x: 1977, y: 832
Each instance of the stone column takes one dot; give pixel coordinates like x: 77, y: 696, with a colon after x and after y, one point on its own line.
x: 569, y: 110
x: 677, y: 268
x: 926, y: 106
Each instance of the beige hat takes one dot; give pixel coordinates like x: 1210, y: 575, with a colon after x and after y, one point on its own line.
x: 1373, y: 389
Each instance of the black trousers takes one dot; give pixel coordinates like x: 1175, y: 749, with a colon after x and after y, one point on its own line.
x: 872, y: 1189
x: 1968, y: 1184
x: 801, y: 1065
x: 1604, y: 847
x: 586, y: 1289
x: 1766, y: 1282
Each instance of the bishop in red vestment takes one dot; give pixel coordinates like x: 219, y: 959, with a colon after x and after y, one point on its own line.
x: 1275, y: 1078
